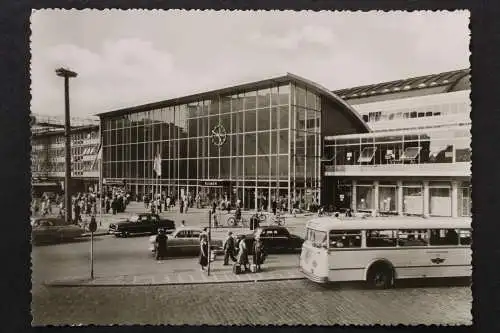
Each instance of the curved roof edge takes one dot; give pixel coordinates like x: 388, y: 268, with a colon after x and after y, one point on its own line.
x: 333, y: 96
x: 288, y: 77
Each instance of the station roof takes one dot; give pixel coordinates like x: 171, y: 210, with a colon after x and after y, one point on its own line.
x: 283, y: 79
x: 449, y: 81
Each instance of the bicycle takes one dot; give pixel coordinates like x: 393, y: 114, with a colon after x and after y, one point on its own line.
x: 279, y: 220
x: 234, y: 222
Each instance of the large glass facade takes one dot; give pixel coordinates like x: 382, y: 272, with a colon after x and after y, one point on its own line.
x: 255, y: 146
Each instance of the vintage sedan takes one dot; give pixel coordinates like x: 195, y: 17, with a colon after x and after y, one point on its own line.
x: 185, y: 241
x: 145, y: 223
x: 275, y: 239
x: 53, y: 229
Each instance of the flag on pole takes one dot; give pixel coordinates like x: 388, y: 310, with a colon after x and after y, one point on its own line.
x: 157, y: 165
x: 97, y: 157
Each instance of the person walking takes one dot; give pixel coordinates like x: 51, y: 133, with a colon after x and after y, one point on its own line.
x: 243, y: 253
x: 181, y: 206
x: 161, y: 245
x: 229, y: 248
x: 203, y: 253
x: 258, y: 253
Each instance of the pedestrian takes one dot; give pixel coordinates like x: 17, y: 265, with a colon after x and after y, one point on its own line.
x: 108, y: 205
x: 229, y: 248
x: 258, y: 253
x: 161, y: 245
x: 183, y: 224
x: 167, y: 205
x: 204, y: 233
x: 243, y: 253
x: 203, y: 253
x: 274, y: 206
x: 186, y: 205
x: 181, y: 206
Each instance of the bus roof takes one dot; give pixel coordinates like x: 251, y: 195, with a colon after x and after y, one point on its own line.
x: 332, y: 223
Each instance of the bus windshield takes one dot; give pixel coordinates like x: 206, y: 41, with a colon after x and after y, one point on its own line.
x: 317, y: 238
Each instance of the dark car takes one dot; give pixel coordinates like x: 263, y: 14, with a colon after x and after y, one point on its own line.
x: 275, y: 239
x: 146, y: 223
x: 53, y: 229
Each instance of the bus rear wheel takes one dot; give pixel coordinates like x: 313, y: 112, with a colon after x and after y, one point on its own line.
x: 380, y: 277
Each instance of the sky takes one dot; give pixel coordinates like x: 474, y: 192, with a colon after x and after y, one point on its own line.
x: 133, y: 57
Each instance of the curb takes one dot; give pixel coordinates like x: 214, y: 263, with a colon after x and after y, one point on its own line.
x: 99, y: 233
x: 85, y: 282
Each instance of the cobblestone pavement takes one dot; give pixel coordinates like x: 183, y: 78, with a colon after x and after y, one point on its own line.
x: 282, y: 302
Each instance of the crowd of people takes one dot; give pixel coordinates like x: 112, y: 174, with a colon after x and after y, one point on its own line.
x: 235, y: 248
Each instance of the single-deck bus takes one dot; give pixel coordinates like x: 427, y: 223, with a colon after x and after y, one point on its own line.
x: 379, y: 250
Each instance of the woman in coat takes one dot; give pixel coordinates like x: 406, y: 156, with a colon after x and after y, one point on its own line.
x: 203, y: 253
x: 243, y: 253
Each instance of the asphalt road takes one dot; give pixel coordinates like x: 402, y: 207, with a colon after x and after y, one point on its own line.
x: 282, y: 302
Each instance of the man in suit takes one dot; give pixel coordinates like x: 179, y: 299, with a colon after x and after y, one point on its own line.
x: 229, y: 248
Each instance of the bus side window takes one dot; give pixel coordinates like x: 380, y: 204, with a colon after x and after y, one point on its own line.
x: 444, y: 237
x: 345, y: 239
x: 465, y: 237
x: 380, y: 238
x: 413, y: 237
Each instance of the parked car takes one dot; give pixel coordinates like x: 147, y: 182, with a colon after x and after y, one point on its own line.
x: 146, y: 223
x: 275, y: 238
x: 185, y: 241
x: 53, y: 229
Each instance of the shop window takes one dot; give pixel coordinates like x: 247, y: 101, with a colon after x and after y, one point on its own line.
x: 364, y: 197
x: 440, y: 201
x: 345, y: 239
x: 413, y: 203
x: 387, y: 199
x: 367, y: 154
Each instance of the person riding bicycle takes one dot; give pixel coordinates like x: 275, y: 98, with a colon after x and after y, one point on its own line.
x: 237, y: 213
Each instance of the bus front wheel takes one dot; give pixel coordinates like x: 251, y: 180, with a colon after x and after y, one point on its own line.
x: 381, y: 276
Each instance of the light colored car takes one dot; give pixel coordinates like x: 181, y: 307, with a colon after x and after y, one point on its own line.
x: 185, y: 241
x: 52, y: 229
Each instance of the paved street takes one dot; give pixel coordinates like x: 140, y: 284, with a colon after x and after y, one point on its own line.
x: 282, y: 302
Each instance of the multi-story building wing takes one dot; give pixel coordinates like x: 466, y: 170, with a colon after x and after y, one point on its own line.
x: 48, y: 156
x: 416, y: 160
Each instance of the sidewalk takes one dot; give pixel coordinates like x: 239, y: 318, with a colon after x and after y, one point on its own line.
x: 217, y: 275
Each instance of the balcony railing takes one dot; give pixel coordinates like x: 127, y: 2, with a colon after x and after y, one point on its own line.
x: 458, y: 169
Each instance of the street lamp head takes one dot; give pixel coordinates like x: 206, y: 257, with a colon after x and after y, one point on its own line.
x: 63, y: 72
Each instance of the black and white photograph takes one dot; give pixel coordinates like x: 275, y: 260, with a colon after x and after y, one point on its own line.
x: 250, y: 167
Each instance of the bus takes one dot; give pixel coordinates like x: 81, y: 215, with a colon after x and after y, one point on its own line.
x: 381, y: 250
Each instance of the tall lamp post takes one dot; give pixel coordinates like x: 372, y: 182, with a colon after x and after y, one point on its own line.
x: 66, y: 74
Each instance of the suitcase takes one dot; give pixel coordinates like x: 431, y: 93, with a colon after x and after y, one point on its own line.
x: 237, y: 269
x: 253, y: 268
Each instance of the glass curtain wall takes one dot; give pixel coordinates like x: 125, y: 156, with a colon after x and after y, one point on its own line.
x: 305, y: 146
x: 236, y: 146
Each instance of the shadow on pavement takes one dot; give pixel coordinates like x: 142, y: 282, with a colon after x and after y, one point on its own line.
x: 400, y: 284
x: 68, y: 241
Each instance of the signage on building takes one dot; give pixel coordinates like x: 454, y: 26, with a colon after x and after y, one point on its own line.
x: 219, y: 135
x: 117, y: 182
x: 214, y: 183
